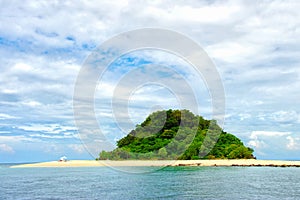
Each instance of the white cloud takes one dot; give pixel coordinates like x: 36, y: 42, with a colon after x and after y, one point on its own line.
x: 265, y: 141
x: 63, y: 136
x: 286, y: 116
x: 4, y: 132
x: 272, y: 144
x: 6, y: 149
x: 22, y: 67
x: 31, y: 103
x: 255, y: 48
x: 244, y: 116
x: 48, y: 128
x: 293, y: 143
x: 53, y: 149
x: 256, y: 134
x: 17, y: 139
x: 79, y: 148
x: 261, y: 140
x: 232, y: 52
x: 257, y: 144
x: 7, y: 116
x: 191, y: 14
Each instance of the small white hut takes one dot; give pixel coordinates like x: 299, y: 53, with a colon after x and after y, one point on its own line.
x: 63, y: 159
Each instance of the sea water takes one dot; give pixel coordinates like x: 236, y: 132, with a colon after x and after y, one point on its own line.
x: 166, y: 183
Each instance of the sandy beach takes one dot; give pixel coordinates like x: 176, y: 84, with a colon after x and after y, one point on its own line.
x: 93, y: 163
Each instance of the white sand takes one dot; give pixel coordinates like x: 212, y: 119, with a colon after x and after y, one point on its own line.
x: 93, y: 163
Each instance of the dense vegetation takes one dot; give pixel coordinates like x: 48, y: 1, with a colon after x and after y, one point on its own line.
x: 178, y: 134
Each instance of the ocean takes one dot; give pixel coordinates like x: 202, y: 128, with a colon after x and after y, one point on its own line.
x: 163, y: 183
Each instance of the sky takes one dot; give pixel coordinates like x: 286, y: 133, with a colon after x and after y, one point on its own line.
x: 44, y: 44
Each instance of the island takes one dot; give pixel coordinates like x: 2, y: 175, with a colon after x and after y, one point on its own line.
x: 178, y: 135
x: 163, y: 163
x: 174, y: 138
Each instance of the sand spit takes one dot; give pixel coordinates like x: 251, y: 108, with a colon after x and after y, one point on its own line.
x: 134, y: 163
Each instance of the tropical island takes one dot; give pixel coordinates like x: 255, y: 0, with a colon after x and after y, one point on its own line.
x: 175, y: 138
x: 178, y: 135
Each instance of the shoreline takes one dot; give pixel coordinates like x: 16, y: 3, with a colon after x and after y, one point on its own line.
x: 164, y: 163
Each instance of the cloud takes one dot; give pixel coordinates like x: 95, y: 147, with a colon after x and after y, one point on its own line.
x: 18, y: 139
x: 293, y: 143
x: 286, y: 116
x: 254, y: 46
x: 261, y: 140
x: 257, y: 144
x: 44, y: 136
x: 4, y: 132
x: 256, y: 134
x: 186, y: 13
x: 271, y: 143
x: 79, y: 148
x: 6, y: 149
x: 232, y: 52
x: 56, y: 133
x: 48, y: 128
x: 7, y: 116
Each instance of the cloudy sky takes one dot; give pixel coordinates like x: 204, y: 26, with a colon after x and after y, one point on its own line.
x: 43, y: 45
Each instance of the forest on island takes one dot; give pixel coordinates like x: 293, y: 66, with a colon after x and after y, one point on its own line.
x: 178, y: 134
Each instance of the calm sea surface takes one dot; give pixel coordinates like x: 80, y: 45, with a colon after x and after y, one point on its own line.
x: 166, y: 183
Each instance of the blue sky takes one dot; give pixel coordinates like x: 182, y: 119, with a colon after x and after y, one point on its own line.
x: 255, y: 47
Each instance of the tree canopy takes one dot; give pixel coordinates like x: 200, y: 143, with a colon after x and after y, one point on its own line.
x: 178, y: 134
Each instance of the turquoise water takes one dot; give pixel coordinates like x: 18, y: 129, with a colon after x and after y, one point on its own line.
x: 167, y: 183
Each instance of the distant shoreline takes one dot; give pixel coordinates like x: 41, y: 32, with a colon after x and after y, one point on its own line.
x: 162, y: 163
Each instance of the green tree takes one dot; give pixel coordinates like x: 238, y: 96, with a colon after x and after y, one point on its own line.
x: 162, y: 153
x: 178, y: 134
